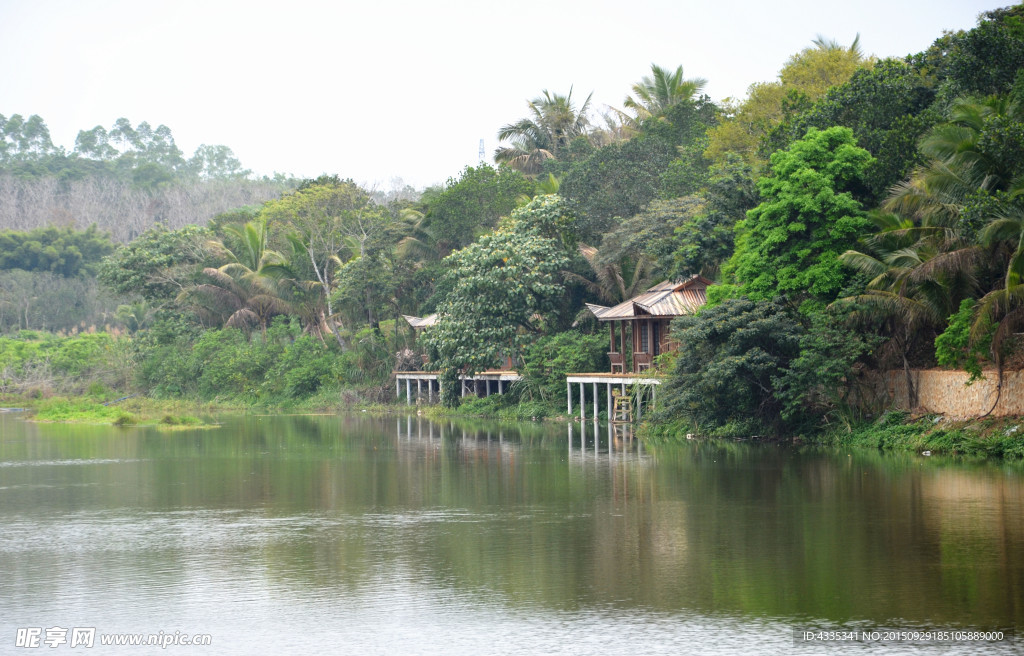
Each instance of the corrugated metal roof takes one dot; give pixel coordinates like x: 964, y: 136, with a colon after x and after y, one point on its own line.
x: 666, y: 299
x: 418, y: 322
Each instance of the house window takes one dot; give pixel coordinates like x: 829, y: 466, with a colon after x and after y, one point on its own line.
x: 645, y: 338
x: 656, y: 337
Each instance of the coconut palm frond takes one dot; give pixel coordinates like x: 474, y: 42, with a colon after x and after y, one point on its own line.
x: 243, y: 319
x: 866, y: 264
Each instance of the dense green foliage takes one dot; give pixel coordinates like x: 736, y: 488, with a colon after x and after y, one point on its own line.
x: 34, y: 363
x: 156, y: 265
x: 64, y: 251
x: 856, y: 214
x: 548, y: 360
x: 145, y: 155
x: 472, y: 205
x: 724, y: 378
x: 499, y: 288
x: 789, y: 245
x: 621, y: 179
x: 955, y: 348
x: 888, y: 109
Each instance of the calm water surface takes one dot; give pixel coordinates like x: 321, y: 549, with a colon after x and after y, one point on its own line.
x: 325, y: 534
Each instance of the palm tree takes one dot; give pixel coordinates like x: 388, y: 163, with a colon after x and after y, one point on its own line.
x: 308, y: 296
x: 1004, y: 305
x: 831, y: 45
x: 961, y: 163
x: 136, y: 316
x: 917, y: 277
x: 659, y: 92
x: 240, y: 293
x: 553, y: 123
x: 974, y: 159
x: 614, y: 282
x: 419, y: 243
x: 235, y: 297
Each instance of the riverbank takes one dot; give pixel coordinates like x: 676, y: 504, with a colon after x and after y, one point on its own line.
x: 139, y: 410
x: 987, y: 438
x: 132, y: 411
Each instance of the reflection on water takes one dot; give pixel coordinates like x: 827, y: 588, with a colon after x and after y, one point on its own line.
x: 347, y: 534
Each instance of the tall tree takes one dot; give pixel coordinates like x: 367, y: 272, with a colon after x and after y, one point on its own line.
x: 330, y: 221
x: 789, y: 245
x: 472, y: 204
x: 916, y: 277
x: 657, y: 93
x: 804, y: 78
x: 553, y: 123
x: 500, y: 289
x: 24, y: 140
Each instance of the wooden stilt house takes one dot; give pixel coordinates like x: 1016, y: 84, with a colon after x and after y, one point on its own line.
x: 649, y: 316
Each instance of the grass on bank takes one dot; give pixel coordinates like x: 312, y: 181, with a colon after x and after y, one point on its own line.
x: 989, y: 437
x: 129, y: 412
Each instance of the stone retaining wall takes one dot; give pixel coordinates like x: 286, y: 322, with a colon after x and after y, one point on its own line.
x: 944, y: 392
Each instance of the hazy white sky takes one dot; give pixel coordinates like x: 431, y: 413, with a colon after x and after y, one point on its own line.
x: 407, y: 88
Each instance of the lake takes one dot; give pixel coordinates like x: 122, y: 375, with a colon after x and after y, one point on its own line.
x: 359, y: 535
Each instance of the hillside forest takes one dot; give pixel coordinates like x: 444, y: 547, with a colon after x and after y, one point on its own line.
x: 857, y: 214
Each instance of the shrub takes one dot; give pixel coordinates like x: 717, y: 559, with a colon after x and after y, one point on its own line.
x: 548, y: 360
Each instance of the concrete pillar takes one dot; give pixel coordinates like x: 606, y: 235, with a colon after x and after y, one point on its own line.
x: 408, y: 391
x: 583, y: 403
x: 419, y: 390
x: 611, y: 410
x: 568, y: 396
x: 596, y: 410
x: 398, y: 389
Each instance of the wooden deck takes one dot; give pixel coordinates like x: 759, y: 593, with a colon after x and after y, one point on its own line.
x: 641, y: 384
x: 604, y: 377
x: 478, y: 384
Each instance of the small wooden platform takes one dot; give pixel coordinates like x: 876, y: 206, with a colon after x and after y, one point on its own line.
x: 609, y: 380
x: 501, y: 378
